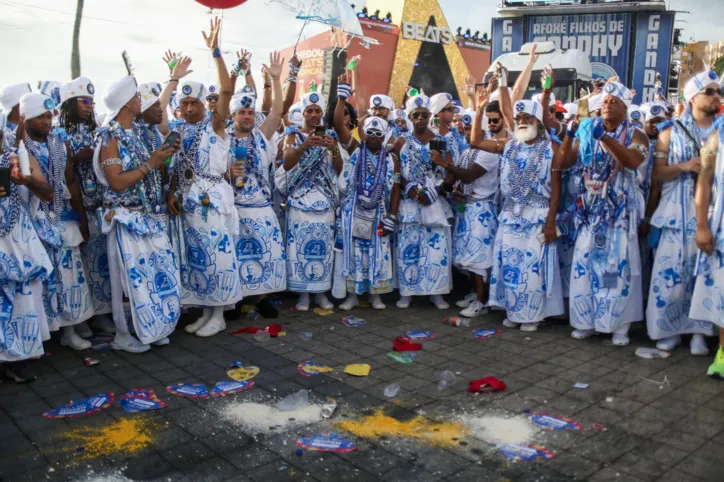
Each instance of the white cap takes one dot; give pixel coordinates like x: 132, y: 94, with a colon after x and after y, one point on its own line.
x: 35, y: 104
x: 439, y: 101
x: 551, y: 99
x: 313, y: 98
x: 698, y: 83
x: 80, y: 87
x: 149, y: 92
x: 117, y: 95
x: 11, y: 94
x: 529, y: 107
x: 189, y: 88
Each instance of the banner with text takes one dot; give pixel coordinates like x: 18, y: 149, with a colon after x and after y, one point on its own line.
x: 605, y: 38
x: 654, y: 34
x: 507, y: 36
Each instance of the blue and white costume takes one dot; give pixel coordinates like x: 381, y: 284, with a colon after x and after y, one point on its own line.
x: 9, y: 98
x: 142, y: 261
x: 566, y: 223
x: 673, y: 276
x: 311, y: 190
x: 477, y: 224
x: 210, y: 222
x: 259, y: 246
x: 605, y: 289
x: 365, y: 187
x: 424, y: 239
x: 24, y: 266
x: 525, y: 280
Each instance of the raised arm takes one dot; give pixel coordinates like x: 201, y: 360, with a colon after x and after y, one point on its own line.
x: 702, y: 196
x: 343, y: 92
x: 291, y: 91
x: 179, y: 71
x: 521, y: 85
x: 506, y: 106
x: 271, y: 123
x: 266, y: 100
x: 360, y: 98
x: 220, y: 116
x: 550, y: 120
x: 568, y: 151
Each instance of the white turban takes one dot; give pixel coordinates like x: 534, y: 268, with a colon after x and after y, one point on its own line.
x: 241, y: 101
x: 117, y: 95
x: 571, y: 109
x: 551, y: 99
x: 619, y: 91
x: 313, y: 98
x: 80, y: 87
x: 375, y: 123
x: 595, y: 102
x: 10, y: 95
x: 212, y: 89
x: 189, y: 88
x: 150, y: 92
x: 420, y: 101
x: 35, y: 104
x: 469, y: 117
x: 382, y: 101
x: 529, y: 107
x: 635, y: 115
x: 439, y: 101
x: 51, y: 88
x: 294, y: 116
x: 247, y: 89
x: 698, y: 83
x: 654, y: 110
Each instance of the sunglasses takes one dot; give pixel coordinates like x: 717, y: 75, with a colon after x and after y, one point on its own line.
x: 420, y: 115
x: 86, y: 101
x: 210, y: 98
x: 712, y: 90
x: 494, y: 121
x: 523, y: 118
x: 448, y: 109
x: 374, y: 133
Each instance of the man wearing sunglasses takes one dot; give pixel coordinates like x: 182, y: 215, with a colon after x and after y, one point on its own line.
x: 525, y: 278
x: 212, y: 97
x: 605, y: 289
x: 259, y: 247
x: 424, y: 241
x: 308, y: 177
x: 443, y: 109
x: 370, y: 191
x: 677, y: 163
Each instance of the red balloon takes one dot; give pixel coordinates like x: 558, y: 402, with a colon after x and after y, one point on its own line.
x: 221, y: 3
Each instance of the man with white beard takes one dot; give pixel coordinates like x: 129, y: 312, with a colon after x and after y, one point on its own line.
x: 525, y: 277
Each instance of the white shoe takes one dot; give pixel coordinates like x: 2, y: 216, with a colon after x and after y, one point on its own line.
x: 83, y: 330
x: 129, y: 343
x: 529, y: 327
x: 70, y: 338
x: 349, y: 303
x: 198, y: 324
x: 403, y: 302
x: 439, y: 302
x: 377, y: 303
x: 323, y: 302
x: 214, y: 326
x: 303, y: 302
x: 104, y: 324
x: 582, y: 334
x: 162, y: 342
x: 509, y: 324
x: 474, y: 309
x: 465, y: 302
x: 668, y: 344
x: 698, y: 346
x: 620, y: 339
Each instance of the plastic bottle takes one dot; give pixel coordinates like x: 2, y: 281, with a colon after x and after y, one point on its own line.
x: 261, y: 336
x: 392, y: 389
x: 548, y: 81
x: 456, y: 321
x: 447, y: 379
x: 23, y: 159
x: 353, y: 62
x: 329, y: 408
x: 295, y: 401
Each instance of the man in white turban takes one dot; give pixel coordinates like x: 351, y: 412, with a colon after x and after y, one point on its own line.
x: 10, y: 100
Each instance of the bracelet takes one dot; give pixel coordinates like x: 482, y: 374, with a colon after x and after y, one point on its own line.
x: 267, y: 86
x: 172, y: 80
x: 216, y: 53
x: 555, y: 169
x: 646, y: 220
x: 288, y: 146
x: 396, y: 178
x: 334, y: 151
x: 291, y: 78
x: 146, y: 171
x: 708, y: 152
x: 497, y: 146
x: 113, y: 161
x: 661, y: 155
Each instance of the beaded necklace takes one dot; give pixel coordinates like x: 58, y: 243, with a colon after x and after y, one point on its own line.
x: 520, y: 177
x: 15, y: 202
x: 148, y: 188
x: 370, y: 194
x: 54, y: 172
x: 189, y: 166
x: 252, y: 163
x: 420, y: 162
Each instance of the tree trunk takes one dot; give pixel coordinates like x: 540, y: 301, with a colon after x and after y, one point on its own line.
x: 75, y: 55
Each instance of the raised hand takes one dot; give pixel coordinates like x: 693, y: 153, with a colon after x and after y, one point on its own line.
x: 181, y: 69
x: 244, y: 59
x: 532, y: 56
x: 295, y: 62
x: 470, y: 86
x: 483, y: 97
x: 493, y: 84
x: 274, y: 69
x: 212, y: 39
x: 169, y: 57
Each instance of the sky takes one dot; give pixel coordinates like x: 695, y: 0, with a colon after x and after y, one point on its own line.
x: 36, y: 35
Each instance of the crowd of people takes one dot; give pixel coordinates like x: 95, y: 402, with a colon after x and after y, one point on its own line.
x: 185, y: 195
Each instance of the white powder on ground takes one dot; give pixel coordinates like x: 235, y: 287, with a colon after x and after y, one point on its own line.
x: 514, y: 430
x: 262, y: 418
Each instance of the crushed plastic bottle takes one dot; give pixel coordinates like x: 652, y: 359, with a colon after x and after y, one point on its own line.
x: 295, y: 401
x: 392, y: 389
x: 253, y: 315
x: 305, y: 335
x: 447, y: 379
x: 457, y: 321
x: 643, y: 352
x: 261, y: 336
x: 329, y: 408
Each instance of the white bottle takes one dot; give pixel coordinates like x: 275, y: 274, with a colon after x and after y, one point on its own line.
x: 23, y: 159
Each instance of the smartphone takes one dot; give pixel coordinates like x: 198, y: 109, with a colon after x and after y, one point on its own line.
x: 542, y: 237
x: 5, y: 179
x: 170, y: 142
x: 583, y: 108
x: 320, y: 131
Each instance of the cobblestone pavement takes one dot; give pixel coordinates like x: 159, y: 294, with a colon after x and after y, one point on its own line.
x: 655, y: 432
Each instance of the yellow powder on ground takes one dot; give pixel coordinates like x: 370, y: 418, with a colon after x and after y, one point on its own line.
x: 125, y: 436
x: 443, y: 434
